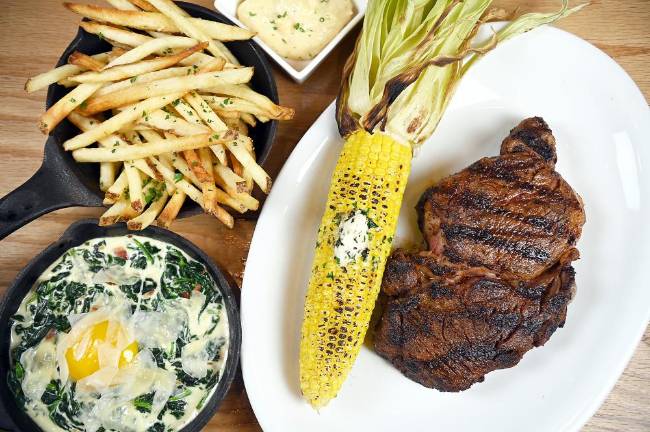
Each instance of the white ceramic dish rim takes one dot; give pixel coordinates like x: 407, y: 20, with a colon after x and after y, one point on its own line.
x: 229, y: 9
x: 581, y: 417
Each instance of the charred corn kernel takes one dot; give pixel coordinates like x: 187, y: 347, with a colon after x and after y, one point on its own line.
x: 366, y: 189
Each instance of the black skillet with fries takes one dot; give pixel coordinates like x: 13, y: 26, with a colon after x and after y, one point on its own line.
x: 152, y: 115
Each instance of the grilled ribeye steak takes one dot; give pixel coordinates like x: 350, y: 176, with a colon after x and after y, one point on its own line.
x: 512, y: 213
x: 496, y: 278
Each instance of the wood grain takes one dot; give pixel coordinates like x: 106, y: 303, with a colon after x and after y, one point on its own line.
x: 33, y: 33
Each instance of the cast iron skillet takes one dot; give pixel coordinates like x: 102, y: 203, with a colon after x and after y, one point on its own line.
x: 61, y: 182
x: 11, y: 416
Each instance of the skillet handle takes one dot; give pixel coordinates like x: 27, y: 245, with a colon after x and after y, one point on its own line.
x: 53, y: 187
x: 5, y: 422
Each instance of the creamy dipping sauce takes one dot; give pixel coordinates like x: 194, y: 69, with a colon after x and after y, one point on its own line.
x: 119, y: 334
x: 296, y: 29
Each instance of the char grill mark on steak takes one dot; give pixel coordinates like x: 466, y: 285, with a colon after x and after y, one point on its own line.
x: 497, y: 276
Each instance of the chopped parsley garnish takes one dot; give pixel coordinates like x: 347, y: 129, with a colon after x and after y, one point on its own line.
x: 152, y: 194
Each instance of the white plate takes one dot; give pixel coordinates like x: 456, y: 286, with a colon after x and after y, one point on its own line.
x: 299, y: 70
x: 602, y: 125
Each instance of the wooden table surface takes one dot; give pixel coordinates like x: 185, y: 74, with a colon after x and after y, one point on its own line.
x: 33, y: 33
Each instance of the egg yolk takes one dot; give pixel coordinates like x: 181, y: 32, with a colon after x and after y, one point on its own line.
x: 88, y: 363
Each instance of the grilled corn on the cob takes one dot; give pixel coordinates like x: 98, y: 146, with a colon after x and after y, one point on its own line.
x: 353, y: 245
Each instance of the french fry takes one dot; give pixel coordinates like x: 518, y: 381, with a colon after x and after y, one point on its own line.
x: 107, y: 173
x: 157, y: 34
x: 118, y: 121
x: 152, y: 148
x: 88, y: 123
x: 211, y: 119
x: 134, y: 176
x: 152, y: 46
x: 199, y: 60
x: 198, y: 177
x: 228, y: 180
x: 148, y: 77
x: 219, y: 45
x: 241, y: 91
x: 85, y: 61
x: 228, y: 116
x: 195, y: 165
x: 116, y: 44
x: 181, y: 165
x: 230, y: 103
x: 122, y: 4
x: 67, y: 82
x: 134, y: 179
x: 121, y: 210
x: 66, y: 105
x: 239, y: 126
x: 115, y: 53
x: 163, y: 120
x: 203, y: 173
x: 205, y: 156
x: 187, y: 112
x: 134, y: 69
x: 248, y: 119
x: 164, y: 87
x: 171, y: 210
x: 116, y: 34
x: 220, y: 153
x: 224, y: 198
x: 148, y: 216
x: 117, y: 189
x: 151, y: 135
x: 148, y: 169
x: 57, y: 74
x: 157, y: 22
x: 238, y: 148
x: 142, y: 4
x: 203, y: 170
x: 238, y: 169
x: 213, y: 65
x: 185, y: 24
x: 171, y: 186
x: 235, y: 186
x: 246, y: 174
x: 107, y: 170
x: 194, y: 194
